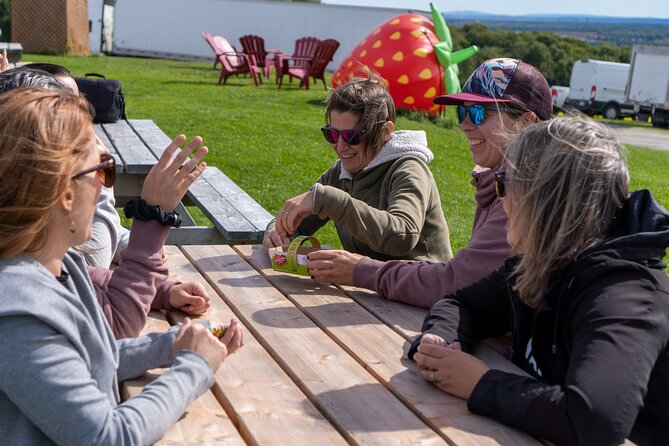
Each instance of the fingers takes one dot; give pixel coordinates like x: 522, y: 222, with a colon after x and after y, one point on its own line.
x: 234, y: 337
x: 429, y: 338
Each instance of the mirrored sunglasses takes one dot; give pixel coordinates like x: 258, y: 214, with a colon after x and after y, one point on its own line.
x: 476, y: 112
x: 106, y: 170
x: 352, y: 137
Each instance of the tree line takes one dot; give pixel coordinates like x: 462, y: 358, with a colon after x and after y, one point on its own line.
x: 552, y: 54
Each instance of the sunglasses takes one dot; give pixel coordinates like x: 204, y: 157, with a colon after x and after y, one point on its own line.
x: 106, y: 170
x: 351, y: 137
x: 477, y: 112
x: 500, y: 186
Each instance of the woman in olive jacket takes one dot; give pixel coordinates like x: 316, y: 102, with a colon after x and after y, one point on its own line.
x: 586, y: 298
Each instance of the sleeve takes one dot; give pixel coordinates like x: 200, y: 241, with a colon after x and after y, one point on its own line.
x: 618, y: 333
x: 47, y: 368
x: 162, y: 299
x: 126, y: 293
x: 108, y: 236
x: 471, y: 314
x: 394, y: 231
x: 422, y: 283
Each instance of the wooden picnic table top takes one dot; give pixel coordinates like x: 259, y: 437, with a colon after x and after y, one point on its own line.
x: 320, y: 365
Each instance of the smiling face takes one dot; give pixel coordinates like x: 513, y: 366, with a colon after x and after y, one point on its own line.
x: 488, y: 140
x: 353, y: 158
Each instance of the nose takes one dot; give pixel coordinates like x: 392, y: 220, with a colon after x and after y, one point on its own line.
x: 467, y: 124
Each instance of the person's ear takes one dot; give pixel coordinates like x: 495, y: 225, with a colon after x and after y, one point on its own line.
x: 388, y: 129
x: 66, y: 200
x: 530, y: 118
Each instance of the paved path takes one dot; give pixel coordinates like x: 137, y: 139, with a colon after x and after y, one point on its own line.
x: 644, y: 137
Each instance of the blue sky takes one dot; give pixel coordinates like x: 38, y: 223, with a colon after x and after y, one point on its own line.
x: 616, y: 8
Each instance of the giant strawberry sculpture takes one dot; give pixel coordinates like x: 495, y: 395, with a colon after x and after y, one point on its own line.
x: 414, y: 56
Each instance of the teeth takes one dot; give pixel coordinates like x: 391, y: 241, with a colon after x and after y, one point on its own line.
x: 475, y: 142
x: 347, y: 157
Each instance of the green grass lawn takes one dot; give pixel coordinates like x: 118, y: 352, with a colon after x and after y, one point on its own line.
x: 268, y: 141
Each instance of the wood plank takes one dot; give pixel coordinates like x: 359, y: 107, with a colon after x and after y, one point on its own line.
x: 240, y: 200
x: 136, y: 156
x: 204, y: 423
x: 363, y: 409
x: 383, y: 352
x: 265, y: 404
x: 99, y: 131
x: 232, y: 223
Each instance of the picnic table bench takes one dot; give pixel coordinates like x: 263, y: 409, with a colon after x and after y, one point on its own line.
x: 136, y: 145
x: 321, y: 364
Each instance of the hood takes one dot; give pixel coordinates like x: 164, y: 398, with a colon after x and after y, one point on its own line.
x: 401, y: 143
x: 640, y: 232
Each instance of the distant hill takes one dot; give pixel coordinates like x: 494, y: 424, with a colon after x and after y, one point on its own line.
x: 589, y: 28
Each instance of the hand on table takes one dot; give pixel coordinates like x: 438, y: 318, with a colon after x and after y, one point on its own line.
x: 189, y: 297
x: 333, y: 265
x: 272, y: 239
x: 293, y: 212
x: 199, y: 339
x: 448, y: 367
x: 168, y: 180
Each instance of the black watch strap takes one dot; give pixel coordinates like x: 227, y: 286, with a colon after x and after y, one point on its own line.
x: 140, y: 210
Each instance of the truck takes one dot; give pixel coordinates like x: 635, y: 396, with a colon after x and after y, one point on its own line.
x: 648, y: 83
x: 597, y: 87
x: 559, y: 95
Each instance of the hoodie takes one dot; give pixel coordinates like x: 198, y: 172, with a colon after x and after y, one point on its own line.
x: 424, y: 283
x: 389, y: 210
x: 61, y: 364
x: 596, y: 346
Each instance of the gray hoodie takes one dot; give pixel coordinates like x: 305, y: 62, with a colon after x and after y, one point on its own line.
x: 61, y: 366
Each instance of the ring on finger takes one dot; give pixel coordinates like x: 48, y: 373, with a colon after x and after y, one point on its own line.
x: 432, y: 375
x: 285, y: 212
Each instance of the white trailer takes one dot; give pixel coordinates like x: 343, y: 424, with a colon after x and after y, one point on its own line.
x: 597, y: 87
x: 648, y: 82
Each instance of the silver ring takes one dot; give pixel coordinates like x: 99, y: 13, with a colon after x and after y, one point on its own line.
x: 285, y: 212
x: 432, y: 375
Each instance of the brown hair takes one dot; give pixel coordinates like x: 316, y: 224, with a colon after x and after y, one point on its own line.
x: 369, y: 100
x: 567, y: 178
x: 42, y: 135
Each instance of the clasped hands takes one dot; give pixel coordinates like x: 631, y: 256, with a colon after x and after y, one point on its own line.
x: 448, y: 367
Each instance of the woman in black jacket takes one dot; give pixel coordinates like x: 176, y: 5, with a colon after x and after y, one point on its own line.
x: 586, y: 299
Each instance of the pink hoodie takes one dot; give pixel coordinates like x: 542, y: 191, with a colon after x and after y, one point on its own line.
x: 138, y: 284
x: 422, y: 283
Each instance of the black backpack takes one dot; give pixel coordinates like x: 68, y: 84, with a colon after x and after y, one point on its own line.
x: 105, y: 95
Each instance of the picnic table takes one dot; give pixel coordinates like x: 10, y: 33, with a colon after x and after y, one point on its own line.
x: 321, y: 364
x: 136, y: 145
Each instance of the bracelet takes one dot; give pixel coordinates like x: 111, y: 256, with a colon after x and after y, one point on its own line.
x: 140, y: 210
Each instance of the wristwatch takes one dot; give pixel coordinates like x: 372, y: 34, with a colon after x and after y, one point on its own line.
x: 140, y: 210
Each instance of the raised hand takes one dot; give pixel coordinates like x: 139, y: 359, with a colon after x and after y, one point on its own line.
x: 169, y: 179
x: 190, y: 297
x: 4, y: 62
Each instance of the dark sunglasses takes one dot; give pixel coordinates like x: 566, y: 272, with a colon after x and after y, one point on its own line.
x: 352, y: 137
x: 477, y: 112
x: 106, y: 170
x: 500, y: 186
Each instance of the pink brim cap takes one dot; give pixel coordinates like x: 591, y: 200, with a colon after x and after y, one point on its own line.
x: 459, y: 98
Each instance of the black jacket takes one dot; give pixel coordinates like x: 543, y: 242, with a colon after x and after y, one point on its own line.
x: 597, y: 344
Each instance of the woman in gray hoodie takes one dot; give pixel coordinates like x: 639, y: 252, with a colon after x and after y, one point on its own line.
x: 61, y: 364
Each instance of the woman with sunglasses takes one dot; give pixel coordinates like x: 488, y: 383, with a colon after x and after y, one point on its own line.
x: 125, y: 306
x: 61, y: 368
x: 586, y: 298
x: 501, y: 97
x: 380, y: 194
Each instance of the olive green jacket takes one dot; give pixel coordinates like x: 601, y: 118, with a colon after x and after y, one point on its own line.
x: 389, y: 210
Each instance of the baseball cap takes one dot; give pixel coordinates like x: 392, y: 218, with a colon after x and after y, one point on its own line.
x: 505, y: 80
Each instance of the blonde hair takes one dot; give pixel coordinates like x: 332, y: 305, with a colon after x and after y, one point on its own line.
x: 42, y: 135
x: 567, y: 178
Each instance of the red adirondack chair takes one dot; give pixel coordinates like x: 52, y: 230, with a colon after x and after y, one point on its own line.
x: 315, y: 67
x: 234, y: 62
x: 305, y: 47
x: 255, y: 46
x: 217, y: 51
